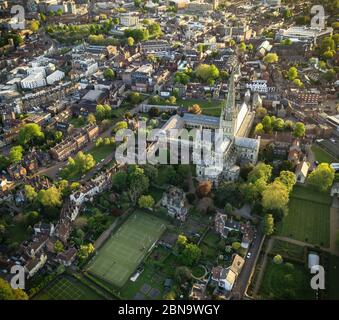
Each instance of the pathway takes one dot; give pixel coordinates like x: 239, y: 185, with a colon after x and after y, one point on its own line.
x: 263, y: 267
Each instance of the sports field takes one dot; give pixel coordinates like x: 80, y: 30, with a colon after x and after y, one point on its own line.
x: 122, y: 253
x: 308, y: 219
x: 67, y: 288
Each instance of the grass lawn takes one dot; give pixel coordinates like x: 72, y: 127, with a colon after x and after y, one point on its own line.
x: 308, y: 218
x: 209, y: 107
x: 287, y: 250
x: 78, y: 122
x: 152, y: 277
x: 333, y: 278
x: 67, y: 288
x: 124, y: 251
x: 281, y: 282
x: 101, y: 152
x: 322, y: 155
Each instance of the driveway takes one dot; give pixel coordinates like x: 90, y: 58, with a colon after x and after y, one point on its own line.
x: 243, y: 280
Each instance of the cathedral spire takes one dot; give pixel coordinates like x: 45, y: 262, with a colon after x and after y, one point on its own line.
x: 228, y: 115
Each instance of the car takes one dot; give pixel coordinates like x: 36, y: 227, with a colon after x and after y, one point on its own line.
x: 249, y: 255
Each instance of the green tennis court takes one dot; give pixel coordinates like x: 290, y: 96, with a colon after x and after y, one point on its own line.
x: 67, y: 288
x: 124, y: 251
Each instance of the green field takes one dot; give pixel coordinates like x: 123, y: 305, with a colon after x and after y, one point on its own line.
x: 124, y: 251
x: 288, y: 250
x: 308, y: 219
x: 281, y: 282
x: 67, y: 288
x: 322, y: 156
x: 101, y: 152
x: 209, y: 107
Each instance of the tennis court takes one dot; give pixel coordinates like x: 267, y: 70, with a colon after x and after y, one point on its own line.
x: 67, y: 288
x: 124, y: 250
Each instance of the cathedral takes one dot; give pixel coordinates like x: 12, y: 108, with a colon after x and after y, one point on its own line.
x: 231, y: 148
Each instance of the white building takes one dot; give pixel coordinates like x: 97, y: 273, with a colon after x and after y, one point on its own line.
x: 129, y: 20
x: 34, y: 80
x: 55, y: 77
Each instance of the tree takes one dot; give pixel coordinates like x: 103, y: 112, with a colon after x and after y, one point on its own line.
x: 275, y: 196
x: 8, y: 293
x: 130, y: 41
x: 16, y: 154
x: 182, y: 240
x: 134, y: 97
x: 30, y: 132
x: 119, y: 181
x: 206, y: 72
x: 322, y: 177
x: 288, y: 179
x: 32, y: 217
x: 299, y: 130
x: 137, y: 3
x: 260, y: 171
x: 151, y: 172
x: 59, y: 12
x: 259, y: 129
x: 268, y: 224
x: 204, y: 188
x: 120, y: 126
x: 271, y: 58
x: 278, y: 124
x: 81, y: 164
x: 30, y: 193
x: 191, y: 254
x: 103, y: 111
x: 287, y: 13
x: 236, y: 245
x: 297, y: 83
x: 329, y: 75
x: 146, y: 202
x: 195, y: 108
x: 261, y: 112
x: 91, y: 118
x: 85, y: 251
x: 109, y: 74
x: 50, y: 197
x: 34, y: 25
x: 228, y: 208
x: 267, y: 124
x: 183, y: 274
x: 292, y: 73
x: 58, y: 246
x: 181, y: 77
x: 138, y: 183
x: 277, y: 259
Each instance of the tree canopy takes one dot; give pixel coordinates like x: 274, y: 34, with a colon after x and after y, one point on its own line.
x: 322, y: 177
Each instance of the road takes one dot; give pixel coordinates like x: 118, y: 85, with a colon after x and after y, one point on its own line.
x: 240, y: 287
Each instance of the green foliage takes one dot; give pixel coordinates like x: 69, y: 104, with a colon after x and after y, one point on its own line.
x: 58, y: 246
x: 16, y: 154
x: 299, y: 130
x: 277, y: 259
x: 292, y: 73
x: 7, y: 293
x: 103, y: 111
x: 268, y: 224
x: 109, y: 74
x: 30, y: 133
x: 322, y: 177
x: 30, y: 193
x: 50, y: 197
x: 271, y: 58
x: 146, y: 202
x: 207, y: 72
x: 81, y: 164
